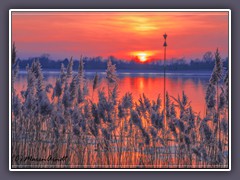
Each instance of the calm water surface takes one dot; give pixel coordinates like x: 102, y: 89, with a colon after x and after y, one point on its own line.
x: 194, y: 84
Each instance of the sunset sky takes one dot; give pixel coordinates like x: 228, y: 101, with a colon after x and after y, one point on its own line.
x: 121, y: 34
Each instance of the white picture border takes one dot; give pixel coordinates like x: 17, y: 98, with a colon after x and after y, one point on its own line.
x: 119, y: 10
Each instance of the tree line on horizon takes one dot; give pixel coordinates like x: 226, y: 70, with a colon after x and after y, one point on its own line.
x: 99, y: 63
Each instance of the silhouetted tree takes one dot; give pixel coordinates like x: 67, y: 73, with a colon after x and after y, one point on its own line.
x: 14, y: 53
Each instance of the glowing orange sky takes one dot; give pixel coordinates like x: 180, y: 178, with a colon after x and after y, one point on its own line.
x: 121, y: 34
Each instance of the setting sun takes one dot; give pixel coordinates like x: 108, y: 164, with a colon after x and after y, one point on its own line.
x: 142, y: 57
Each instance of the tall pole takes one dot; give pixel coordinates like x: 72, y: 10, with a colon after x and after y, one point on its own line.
x: 164, y: 74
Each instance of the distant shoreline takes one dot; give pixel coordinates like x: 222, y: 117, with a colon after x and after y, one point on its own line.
x: 133, y: 72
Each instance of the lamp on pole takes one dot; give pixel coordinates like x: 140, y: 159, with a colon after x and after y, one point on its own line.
x: 164, y: 73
